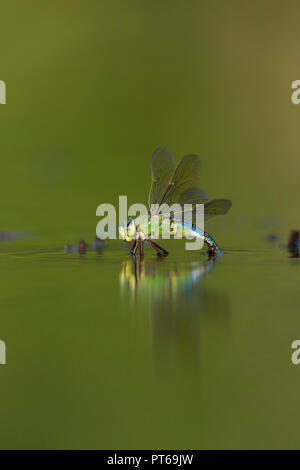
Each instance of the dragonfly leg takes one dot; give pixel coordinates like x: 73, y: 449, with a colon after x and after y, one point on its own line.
x: 134, y: 247
x: 160, y: 251
x: 141, y: 249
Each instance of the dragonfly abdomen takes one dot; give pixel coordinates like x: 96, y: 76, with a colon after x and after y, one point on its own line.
x: 193, y: 230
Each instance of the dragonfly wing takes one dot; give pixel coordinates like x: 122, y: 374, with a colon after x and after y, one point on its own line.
x: 216, y: 207
x: 186, y: 176
x: 191, y: 196
x: 173, y: 184
x: 211, y: 208
x: 163, y: 167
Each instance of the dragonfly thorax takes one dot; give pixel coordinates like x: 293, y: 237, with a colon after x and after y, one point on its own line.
x: 139, y: 228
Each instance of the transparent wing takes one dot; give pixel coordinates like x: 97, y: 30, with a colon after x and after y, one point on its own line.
x: 186, y: 176
x: 163, y: 167
x: 197, y: 196
x: 216, y: 207
x: 193, y: 196
x: 173, y: 184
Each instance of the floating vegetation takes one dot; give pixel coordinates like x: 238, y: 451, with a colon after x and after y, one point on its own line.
x: 83, y: 247
x: 293, y: 244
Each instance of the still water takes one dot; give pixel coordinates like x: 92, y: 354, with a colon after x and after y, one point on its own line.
x: 180, y: 352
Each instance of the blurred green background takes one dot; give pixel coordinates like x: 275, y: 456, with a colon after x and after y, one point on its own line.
x: 93, y: 87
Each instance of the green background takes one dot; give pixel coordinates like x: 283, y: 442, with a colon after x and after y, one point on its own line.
x: 93, y: 87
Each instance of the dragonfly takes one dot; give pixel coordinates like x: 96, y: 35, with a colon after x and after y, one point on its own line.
x: 173, y: 184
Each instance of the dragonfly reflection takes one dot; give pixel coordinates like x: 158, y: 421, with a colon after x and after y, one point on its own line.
x: 178, y: 298
x: 150, y: 279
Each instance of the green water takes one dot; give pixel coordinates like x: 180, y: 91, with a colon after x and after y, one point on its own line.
x: 171, y: 353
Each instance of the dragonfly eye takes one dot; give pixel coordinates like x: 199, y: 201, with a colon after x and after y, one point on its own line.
x: 131, y: 228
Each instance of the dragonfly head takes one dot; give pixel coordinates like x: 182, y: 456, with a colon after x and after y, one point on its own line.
x: 127, y: 233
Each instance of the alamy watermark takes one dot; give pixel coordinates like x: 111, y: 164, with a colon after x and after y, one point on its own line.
x: 2, y: 92
x: 2, y: 352
x: 161, y: 221
x: 295, y: 358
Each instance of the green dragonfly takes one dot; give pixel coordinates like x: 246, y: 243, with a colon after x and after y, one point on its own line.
x: 173, y: 184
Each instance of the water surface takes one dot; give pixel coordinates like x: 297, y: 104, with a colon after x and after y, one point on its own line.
x: 176, y: 352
